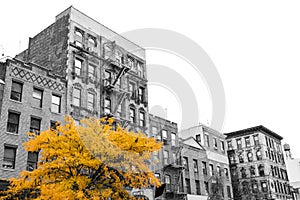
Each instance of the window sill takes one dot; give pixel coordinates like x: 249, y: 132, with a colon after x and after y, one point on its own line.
x: 7, y: 169
x: 56, y: 113
x: 39, y: 108
x: 15, y: 101
x: 9, y: 133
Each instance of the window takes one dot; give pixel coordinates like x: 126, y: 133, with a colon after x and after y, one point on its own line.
x: 250, y: 156
x: 9, y: 156
x: 228, y: 191
x: 204, y: 168
x: 78, y: 37
x: 206, y: 140
x: 219, y: 171
x: 173, y: 139
x: 141, y: 94
x: 76, y: 97
x: 247, y: 141
x: 91, y: 71
x: 243, y: 172
x: 195, y: 163
x: 56, y: 101
x: 131, y: 90
x: 229, y: 145
x: 226, y: 173
x: 130, y: 63
x: 78, y: 66
x: 119, y: 110
x: 197, y: 183
x: 154, y: 133
x: 53, y: 125
x: 142, y: 118
x: 13, y: 122
x: 166, y: 157
x: 164, y: 135
x: 155, y: 155
x: 107, y: 106
x: 32, y: 161
x: 16, y: 91
x: 261, y: 170
x: 92, y: 42
x: 222, y: 146
x: 132, y: 115
x: 211, y: 170
x: 157, y: 175
x: 256, y: 140
x: 91, y: 101
x: 239, y: 143
x: 35, y: 125
x: 215, y: 143
x: 187, y: 186
x: 107, y: 78
x: 198, y: 138
x: 264, y: 186
x: 168, y: 182
x: 252, y: 171
x: 37, y: 98
x: 254, y: 187
x: 206, y: 187
x: 241, y: 158
x: 258, y: 155
x: 186, y: 163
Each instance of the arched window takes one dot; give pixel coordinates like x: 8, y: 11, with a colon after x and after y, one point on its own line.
x: 78, y: 37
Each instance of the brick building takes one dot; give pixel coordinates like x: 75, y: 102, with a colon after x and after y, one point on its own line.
x: 257, y: 164
x: 166, y: 164
x: 32, y: 100
x: 215, y: 166
x: 75, y: 66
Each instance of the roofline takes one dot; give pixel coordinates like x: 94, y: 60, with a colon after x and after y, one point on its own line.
x: 72, y: 7
x: 252, y: 129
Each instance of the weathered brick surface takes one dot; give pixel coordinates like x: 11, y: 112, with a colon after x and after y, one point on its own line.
x: 26, y: 110
x: 49, y: 47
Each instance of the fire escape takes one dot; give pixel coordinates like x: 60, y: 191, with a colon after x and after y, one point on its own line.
x: 120, y: 68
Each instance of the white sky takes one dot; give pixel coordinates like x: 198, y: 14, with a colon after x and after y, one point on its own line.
x: 255, y: 46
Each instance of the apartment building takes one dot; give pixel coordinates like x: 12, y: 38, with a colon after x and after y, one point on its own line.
x: 215, y: 167
x: 257, y: 164
x: 75, y: 66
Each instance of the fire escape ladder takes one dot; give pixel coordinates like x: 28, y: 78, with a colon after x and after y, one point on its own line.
x: 120, y: 101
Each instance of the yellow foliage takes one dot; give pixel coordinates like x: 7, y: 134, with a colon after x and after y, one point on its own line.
x: 90, y: 161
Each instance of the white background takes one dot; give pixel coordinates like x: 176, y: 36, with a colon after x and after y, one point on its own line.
x: 255, y: 46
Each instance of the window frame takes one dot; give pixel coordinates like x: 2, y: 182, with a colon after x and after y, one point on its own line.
x: 76, y: 100
x: 91, y: 104
x: 9, y: 159
x: 78, y: 68
x: 14, y: 92
x: 54, y: 104
x: 10, y: 122
x: 33, y: 129
x: 36, y: 98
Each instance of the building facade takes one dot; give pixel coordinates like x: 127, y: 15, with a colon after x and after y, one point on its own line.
x: 215, y: 167
x: 166, y: 164
x: 257, y: 164
x: 78, y: 67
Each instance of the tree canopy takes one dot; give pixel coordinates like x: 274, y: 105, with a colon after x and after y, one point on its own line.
x: 89, y: 161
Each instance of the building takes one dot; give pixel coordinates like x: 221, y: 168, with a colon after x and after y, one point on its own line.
x: 193, y: 158
x: 293, y: 170
x: 215, y: 168
x: 257, y: 164
x: 166, y: 164
x: 75, y: 66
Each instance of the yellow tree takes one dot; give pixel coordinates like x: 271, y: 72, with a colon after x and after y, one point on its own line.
x: 90, y: 161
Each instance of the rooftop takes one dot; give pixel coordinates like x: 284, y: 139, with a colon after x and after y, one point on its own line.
x: 253, y: 129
